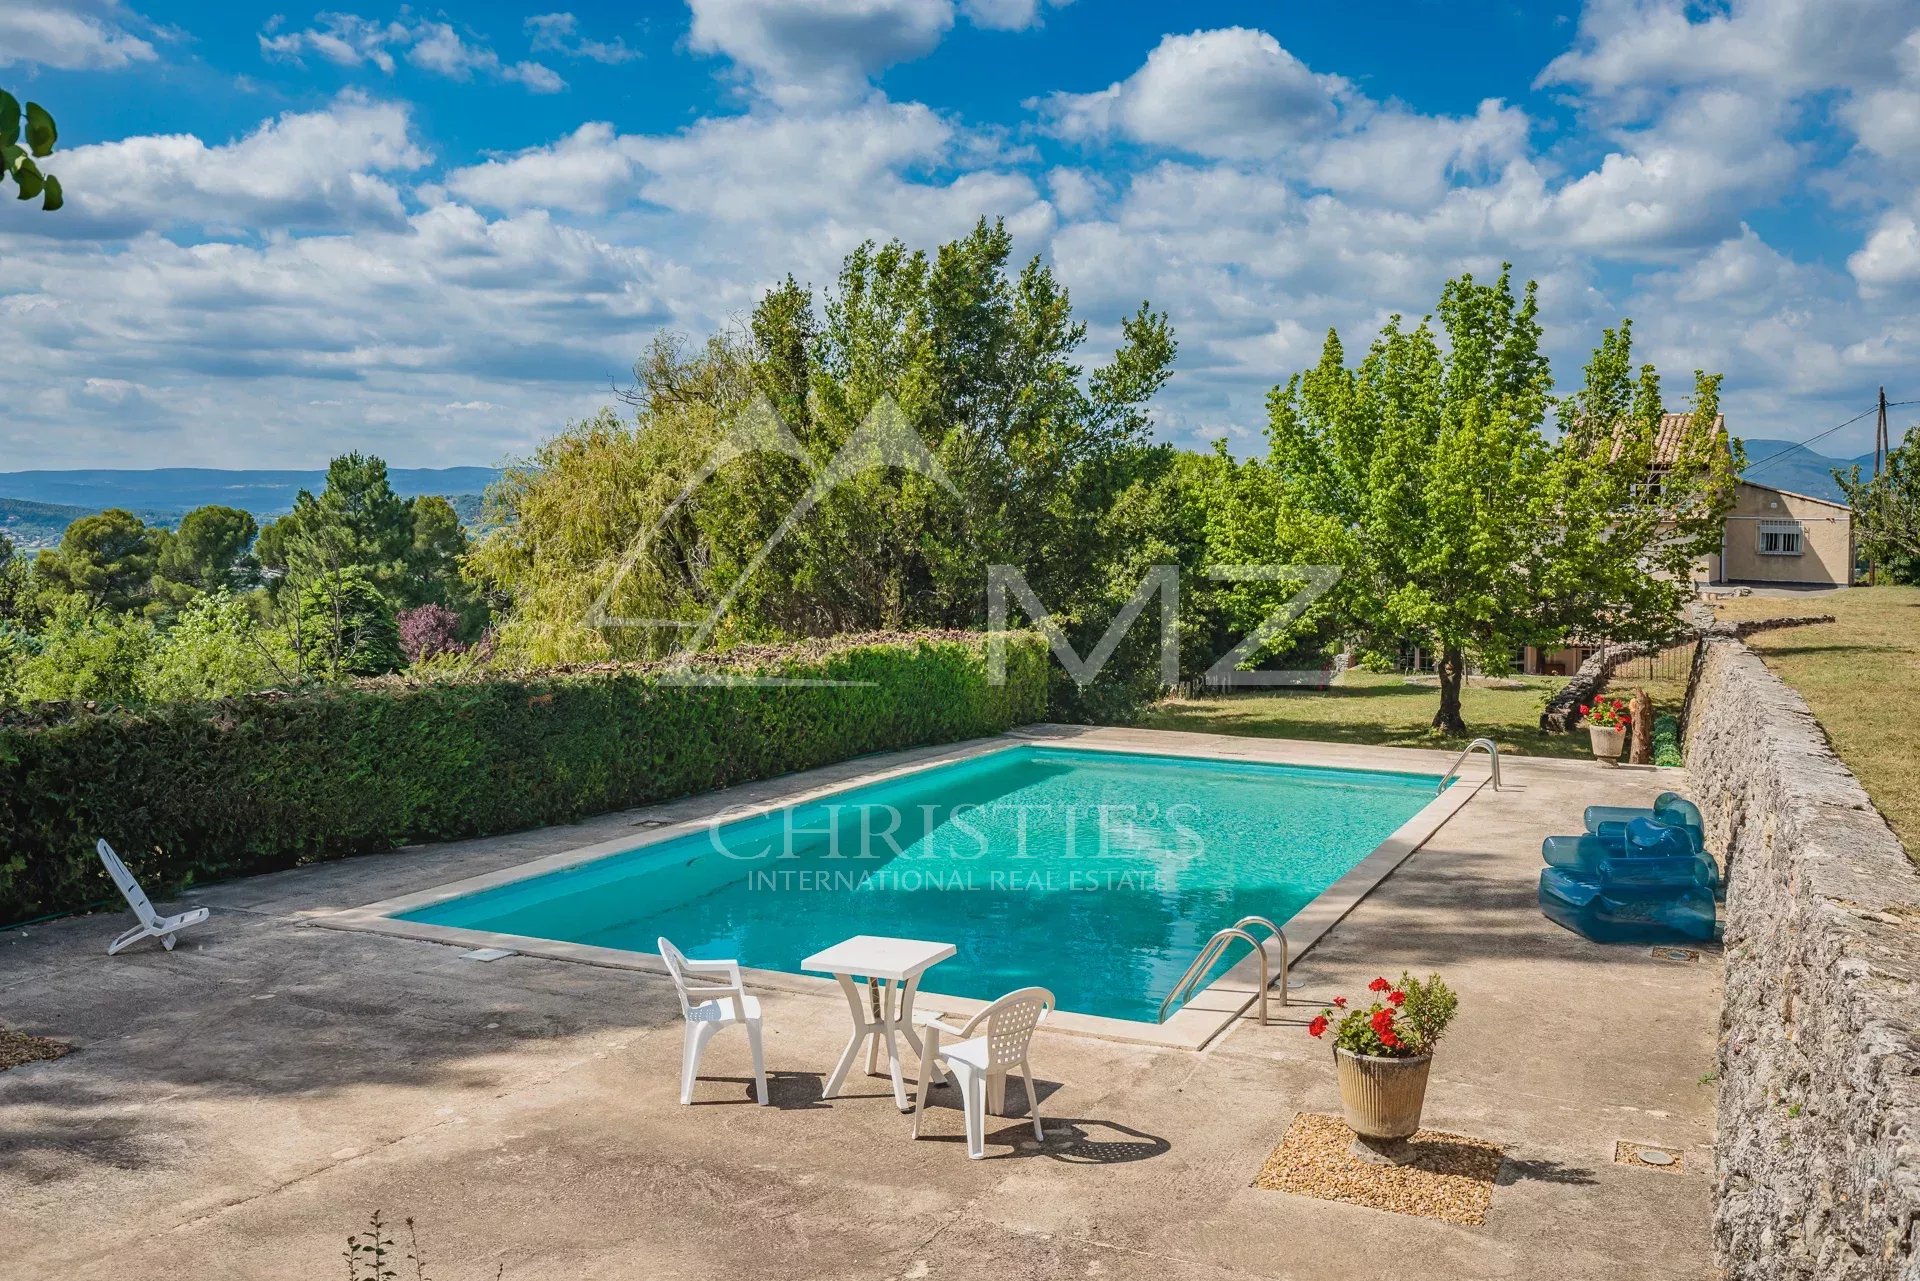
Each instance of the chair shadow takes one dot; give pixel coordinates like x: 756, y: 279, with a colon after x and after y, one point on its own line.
x: 1514, y: 1170
x: 1070, y: 1140
x: 1077, y: 1141
x: 788, y: 1091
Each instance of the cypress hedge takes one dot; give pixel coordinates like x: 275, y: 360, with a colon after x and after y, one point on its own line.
x: 189, y: 792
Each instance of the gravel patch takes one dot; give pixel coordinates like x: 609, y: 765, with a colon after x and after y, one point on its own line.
x: 1450, y: 1178
x: 17, y: 1048
x: 1649, y: 1156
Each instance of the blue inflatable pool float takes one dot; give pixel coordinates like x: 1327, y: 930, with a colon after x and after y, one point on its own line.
x: 1619, y: 912
x: 1670, y: 809
x: 1636, y: 839
x: 1635, y: 876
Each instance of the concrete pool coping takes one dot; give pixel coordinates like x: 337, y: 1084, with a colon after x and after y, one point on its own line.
x: 1210, y: 1011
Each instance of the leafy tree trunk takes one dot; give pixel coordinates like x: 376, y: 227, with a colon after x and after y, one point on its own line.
x: 1453, y: 673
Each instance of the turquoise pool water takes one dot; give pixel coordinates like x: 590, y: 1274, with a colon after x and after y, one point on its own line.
x: 1096, y: 874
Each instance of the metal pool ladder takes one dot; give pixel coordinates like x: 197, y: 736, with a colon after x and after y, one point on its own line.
x: 1493, y: 758
x: 1218, y: 944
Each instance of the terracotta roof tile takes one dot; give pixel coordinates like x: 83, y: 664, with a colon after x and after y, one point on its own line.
x: 1667, y: 438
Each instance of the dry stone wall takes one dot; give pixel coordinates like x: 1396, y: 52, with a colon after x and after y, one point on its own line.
x: 1818, y: 1153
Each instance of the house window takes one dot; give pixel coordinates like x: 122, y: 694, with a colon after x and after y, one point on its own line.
x: 1779, y: 538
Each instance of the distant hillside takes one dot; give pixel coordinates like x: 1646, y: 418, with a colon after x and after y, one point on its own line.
x: 37, y: 506
x: 31, y: 525
x: 1785, y: 465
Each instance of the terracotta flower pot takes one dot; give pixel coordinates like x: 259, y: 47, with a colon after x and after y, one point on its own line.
x: 1608, y: 742
x: 1382, y: 1099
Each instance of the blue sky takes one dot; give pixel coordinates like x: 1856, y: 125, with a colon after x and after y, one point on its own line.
x: 439, y: 234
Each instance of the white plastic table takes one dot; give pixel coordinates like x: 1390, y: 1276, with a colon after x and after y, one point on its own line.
x: 892, y: 968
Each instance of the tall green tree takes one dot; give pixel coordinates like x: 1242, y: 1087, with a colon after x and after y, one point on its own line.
x: 957, y: 357
x: 345, y: 626
x: 208, y: 552
x: 411, y: 550
x: 435, y: 555
x: 1424, y: 475
x: 1886, y: 510
x: 356, y: 521
x: 106, y: 559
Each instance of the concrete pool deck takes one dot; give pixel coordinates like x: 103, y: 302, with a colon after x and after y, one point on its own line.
x: 237, y: 1107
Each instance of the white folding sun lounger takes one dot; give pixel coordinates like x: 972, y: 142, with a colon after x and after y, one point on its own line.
x: 152, y: 924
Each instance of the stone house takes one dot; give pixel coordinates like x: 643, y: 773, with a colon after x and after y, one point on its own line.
x: 1778, y: 537
x: 1771, y: 537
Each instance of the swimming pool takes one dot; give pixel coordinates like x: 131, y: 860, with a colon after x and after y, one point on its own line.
x: 1096, y: 873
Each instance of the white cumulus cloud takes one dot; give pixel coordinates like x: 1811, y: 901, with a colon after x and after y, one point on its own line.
x: 348, y: 40
x: 814, y: 51
x: 72, y: 35
x: 1230, y: 93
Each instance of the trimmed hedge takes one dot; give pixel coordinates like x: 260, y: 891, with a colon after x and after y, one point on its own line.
x: 192, y: 791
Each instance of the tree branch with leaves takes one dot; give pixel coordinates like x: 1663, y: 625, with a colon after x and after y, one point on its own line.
x: 18, y: 154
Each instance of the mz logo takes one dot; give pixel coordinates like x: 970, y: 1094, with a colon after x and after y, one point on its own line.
x: 1164, y: 580
x: 886, y: 441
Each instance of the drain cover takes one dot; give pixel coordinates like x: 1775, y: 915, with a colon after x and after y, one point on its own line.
x: 1683, y: 954
x: 1646, y: 1154
x: 488, y: 954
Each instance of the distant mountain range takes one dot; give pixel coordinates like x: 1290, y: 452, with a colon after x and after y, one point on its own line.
x: 37, y: 506
x: 1781, y: 464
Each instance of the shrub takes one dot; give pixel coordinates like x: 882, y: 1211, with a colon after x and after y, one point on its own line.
x: 1666, y: 741
x: 188, y: 791
x: 83, y: 654
x: 427, y: 631
x: 215, y: 649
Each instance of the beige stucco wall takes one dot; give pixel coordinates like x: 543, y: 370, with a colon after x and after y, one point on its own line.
x: 1826, y: 541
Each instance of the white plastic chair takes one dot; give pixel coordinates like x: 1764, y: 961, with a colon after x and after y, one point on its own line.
x: 152, y: 924
x: 992, y: 1042
x: 725, y: 1005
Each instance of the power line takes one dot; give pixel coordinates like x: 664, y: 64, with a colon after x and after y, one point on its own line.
x: 1754, y: 467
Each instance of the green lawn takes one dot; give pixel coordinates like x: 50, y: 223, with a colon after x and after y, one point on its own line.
x: 1861, y: 676
x: 1378, y: 710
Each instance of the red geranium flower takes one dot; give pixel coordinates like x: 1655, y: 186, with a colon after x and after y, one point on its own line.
x: 1396, y: 997
x: 1339, y: 1002
x: 1389, y: 1040
x: 1318, y: 1026
x: 1383, y: 1022
x: 1378, y: 985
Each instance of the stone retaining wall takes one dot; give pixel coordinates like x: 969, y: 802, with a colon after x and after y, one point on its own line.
x: 1818, y: 1154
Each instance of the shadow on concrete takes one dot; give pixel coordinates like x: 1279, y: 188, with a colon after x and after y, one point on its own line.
x: 1069, y: 1141
x: 1450, y: 907
x: 1513, y: 1170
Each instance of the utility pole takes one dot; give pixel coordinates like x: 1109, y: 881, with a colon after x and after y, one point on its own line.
x: 1879, y: 461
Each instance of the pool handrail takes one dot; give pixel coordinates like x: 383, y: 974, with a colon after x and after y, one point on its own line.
x: 1453, y: 770
x: 1218, y: 944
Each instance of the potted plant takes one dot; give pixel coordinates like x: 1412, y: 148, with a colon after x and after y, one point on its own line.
x: 1607, y: 720
x: 1381, y: 1054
